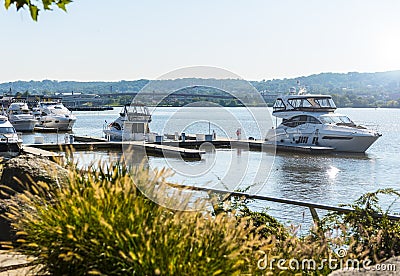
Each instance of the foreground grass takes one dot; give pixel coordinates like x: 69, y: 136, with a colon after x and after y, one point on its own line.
x: 99, y: 223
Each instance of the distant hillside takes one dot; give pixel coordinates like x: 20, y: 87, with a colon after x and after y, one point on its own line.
x: 336, y: 83
x: 53, y: 86
x: 383, y: 84
x: 348, y: 90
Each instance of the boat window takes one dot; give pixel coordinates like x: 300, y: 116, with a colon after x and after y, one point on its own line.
x: 60, y: 110
x: 279, y: 105
x: 324, y: 102
x: 296, y: 121
x: 312, y: 120
x: 137, y: 128
x: 327, y: 119
x: 336, y: 120
x: 306, y: 103
x: 7, y: 130
x: 345, y: 120
x: 115, y: 125
x: 295, y: 102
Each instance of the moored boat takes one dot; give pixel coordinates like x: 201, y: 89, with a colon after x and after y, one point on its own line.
x: 132, y: 124
x: 55, y: 115
x: 21, y: 117
x: 310, y: 120
x: 10, y: 143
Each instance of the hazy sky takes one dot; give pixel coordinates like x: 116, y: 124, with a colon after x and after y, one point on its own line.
x: 255, y: 39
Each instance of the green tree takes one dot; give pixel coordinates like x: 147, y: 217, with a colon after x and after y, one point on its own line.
x: 35, y: 5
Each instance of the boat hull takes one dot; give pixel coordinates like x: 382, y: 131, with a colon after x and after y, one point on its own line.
x: 119, y: 135
x: 113, y: 135
x: 340, y: 139
x: 357, y: 144
x: 24, y: 125
x: 60, y: 123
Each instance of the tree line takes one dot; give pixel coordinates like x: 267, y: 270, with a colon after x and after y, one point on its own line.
x: 348, y: 90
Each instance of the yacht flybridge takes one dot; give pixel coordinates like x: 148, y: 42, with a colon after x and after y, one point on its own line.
x: 310, y: 121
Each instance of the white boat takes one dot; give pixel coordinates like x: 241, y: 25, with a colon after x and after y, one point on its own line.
x: 55, y: 115
x: 310, y: 121
x: 10, y: 142
x: 132, y: 124
x: 21, y: 117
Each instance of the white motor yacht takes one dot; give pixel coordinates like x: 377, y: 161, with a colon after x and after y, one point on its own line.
x: 56, y: 115
x: 21, y: 117
x: 132, y: 124
x: 10, y: 142
x: 310, y: 121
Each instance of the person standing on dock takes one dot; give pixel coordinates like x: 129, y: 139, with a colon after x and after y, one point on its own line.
x: 239, y: 133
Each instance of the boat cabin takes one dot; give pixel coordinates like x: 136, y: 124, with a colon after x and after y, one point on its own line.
x: 136, y: 122
x: 308, y: 103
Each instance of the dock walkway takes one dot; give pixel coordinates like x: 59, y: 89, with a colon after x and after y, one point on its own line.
x: 154, y: 149
x: 188, y: 149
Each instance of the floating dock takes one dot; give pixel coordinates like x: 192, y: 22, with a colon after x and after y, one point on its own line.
x: 188, y: 149
x: 152, y: 149
x: 40, y: 152
x: 253, y: 145
x: 87, y: 139
x: 45, y: 129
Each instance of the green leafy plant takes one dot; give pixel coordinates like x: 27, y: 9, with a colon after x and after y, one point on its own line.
x: 33, y: 5
x: 368, y: 231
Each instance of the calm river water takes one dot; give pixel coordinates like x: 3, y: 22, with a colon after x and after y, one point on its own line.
x: 327, y: 179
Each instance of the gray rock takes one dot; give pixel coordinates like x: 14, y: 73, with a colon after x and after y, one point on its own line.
x: 18, y: 175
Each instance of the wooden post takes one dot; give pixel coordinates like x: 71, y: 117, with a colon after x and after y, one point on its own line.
x: 314, y: 214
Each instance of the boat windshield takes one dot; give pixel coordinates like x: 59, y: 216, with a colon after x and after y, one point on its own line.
x: 299, y: 120
x: 5, y: 130
x: 58, y: 109
x: 279, y: 105
x: 311, y: 102
x: 325, y: 102
x: 339, y: 119
x: 300, y: 103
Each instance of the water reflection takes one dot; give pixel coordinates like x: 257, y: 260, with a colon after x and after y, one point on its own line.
x: 332, y: 172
